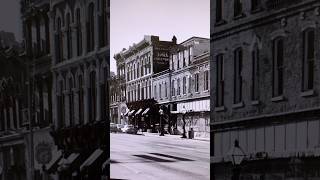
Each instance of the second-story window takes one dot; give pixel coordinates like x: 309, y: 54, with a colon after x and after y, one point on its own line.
x: 255, y: 4
x: 155, y: 92
x: 237, y: 8
x: 172, y: 88
x: 103, y: 24
x: 277, y: 80
x: 81, y: 100
x: 255, y: 74
x: 196, y: 82
x: 219, y: 81
x: 71, y: 103
x: 178, y: 60
x: 308, y: 59
x: 184, y: 59
x: 61, y: 110
x: 69, y: 36
x: 165, y: 89
x: 160, y: 93
x: 206, y: 80
x: 178, y: 86
x: 92, y: 96
x: 184, y: 85
x: 237, y: 77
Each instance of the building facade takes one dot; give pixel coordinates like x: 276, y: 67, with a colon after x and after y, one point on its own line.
x: 185, y: 86
x: 265, y: 85
x: 13, y: 94
x: 80, y: 66
x: 137, y: 65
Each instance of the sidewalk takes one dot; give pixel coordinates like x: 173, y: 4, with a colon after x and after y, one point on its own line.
x: 173, y: 136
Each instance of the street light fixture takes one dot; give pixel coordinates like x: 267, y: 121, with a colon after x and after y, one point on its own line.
x: 184, y: 112
x: 161, y: 124
x: 237, y: 156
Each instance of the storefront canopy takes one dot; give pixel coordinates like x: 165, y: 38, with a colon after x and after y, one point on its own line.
x: 145, y: 111
x: 131, y: 112
x: 97, y: 154
x: 138, y: 112
x: 53, y: 164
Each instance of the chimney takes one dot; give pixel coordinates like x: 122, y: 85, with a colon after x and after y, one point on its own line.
x: 174, y: 39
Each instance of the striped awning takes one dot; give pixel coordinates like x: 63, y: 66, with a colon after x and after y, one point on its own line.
x: 91, y: 159
x: 145, y: 111
x: 131, y: 112
x: 138, y: 112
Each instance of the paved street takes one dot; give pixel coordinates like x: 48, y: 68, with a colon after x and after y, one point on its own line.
x: 153, y: 157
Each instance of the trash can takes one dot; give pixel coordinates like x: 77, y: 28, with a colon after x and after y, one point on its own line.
x: 191, y: 133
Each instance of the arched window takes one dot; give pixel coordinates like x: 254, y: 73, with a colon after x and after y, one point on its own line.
x: 69, y: 36
x: 81, y: 100
x: 59, y: 41
x: 103, y: 25
x: 308, y: 59
x: 71, y: 103
x: 61, y: 110
x: 79, y: 32
x: 92, y: 96
x: 237, y: 76
x: 90, y: 28
x: 255, y: 74
x: 277, y: 75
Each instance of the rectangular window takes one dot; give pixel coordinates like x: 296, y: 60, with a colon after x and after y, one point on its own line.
x: 178, y: 86
x: 190, y: 83
x: 160, y: 91
x: 206, y: 80
x: 237, y: 8
x: 219, y: 81
x: 184, y: 84
x: 255, y: 4
x: 172, y: 62
x: 172, y: 88
x: 308, y: 59
x: 165, y: 89
x: 277, y: 81
x: 178, y: 60
x: 255, y: 75
x: 155, y: 92
x: 218, y: 10
x: 196, y: 82
x: 184, y: 59
x: 237, y: 83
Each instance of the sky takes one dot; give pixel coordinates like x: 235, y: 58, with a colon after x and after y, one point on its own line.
x: 10, y: 17
x: 130, y: 20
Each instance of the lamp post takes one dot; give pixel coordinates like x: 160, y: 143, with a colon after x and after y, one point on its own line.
x: 237, y: 155
x: 184, y: 112
x: 161, y: 124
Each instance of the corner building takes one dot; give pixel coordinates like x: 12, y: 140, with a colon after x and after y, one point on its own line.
x: 265, y: 66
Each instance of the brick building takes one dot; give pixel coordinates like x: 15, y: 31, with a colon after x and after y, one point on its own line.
x: 186, y: 86
x: 79, y: 31
x: 265, y: 88
x: 141, y: 61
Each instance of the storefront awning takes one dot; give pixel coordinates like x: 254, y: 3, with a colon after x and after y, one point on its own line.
x: 138, y: 112
x: 71, y: 158
x: 131, y: 112
x: 145, y: 111
x: 174, y: 112
x: 53, y: 164
x: 91, y: 159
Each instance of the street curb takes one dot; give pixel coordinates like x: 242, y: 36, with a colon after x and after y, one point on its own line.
x: 174, y: 136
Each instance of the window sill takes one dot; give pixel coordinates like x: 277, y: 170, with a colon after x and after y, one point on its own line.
x: 277, y: 98
x: 205, y: 91
x: 220, y: 22
x: 197, y: 92
x: 242, y: 15
x: 307, y: 93
x: 238, y: 105
x: 255, y: 102
x: 219, y: 109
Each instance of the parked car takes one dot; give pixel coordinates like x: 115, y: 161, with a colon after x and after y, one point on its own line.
x: 113, y: 128
x: 119, y: 127
x: 130, y: 129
